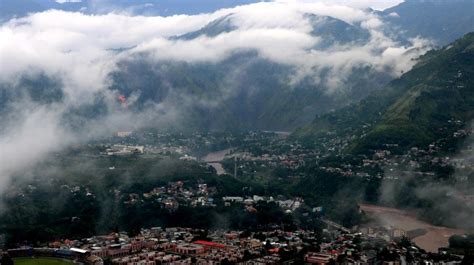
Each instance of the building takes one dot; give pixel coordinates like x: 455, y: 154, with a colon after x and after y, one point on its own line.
x: 209, y: 244
x: 190, y: 249
x: 123, y: 134
x: 118, y: 149
x: 317, y: 258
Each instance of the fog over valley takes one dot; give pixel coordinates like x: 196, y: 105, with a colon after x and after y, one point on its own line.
x: 238, y: 132
x: 76, y: 56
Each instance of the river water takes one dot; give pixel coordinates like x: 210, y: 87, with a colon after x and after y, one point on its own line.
x: 213, y: 159
x: 433, y: 238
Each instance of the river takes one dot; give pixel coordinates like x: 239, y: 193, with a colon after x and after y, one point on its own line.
x: 213, y: 159
x: 433, y: 238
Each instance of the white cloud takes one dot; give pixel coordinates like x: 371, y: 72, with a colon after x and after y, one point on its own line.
x: 372, y: 23
x: 79, y: 49
x: 68, y: 1
x: 374, y: 4
x: 278, y: 31
x: 394, y: 14
x: 35, y: 132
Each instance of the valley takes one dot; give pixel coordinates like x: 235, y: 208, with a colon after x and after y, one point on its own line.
x: 143, y: 132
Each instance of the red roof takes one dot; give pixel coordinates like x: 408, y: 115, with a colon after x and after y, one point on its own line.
x: 274, y: 250
x: 209, y: 244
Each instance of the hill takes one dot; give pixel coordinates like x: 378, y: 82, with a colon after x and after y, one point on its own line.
x: 249, y: 86
x: 424, y: 105
x: 242, y: 90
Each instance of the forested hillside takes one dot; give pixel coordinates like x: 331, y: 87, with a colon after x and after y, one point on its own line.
x: 427, y: 103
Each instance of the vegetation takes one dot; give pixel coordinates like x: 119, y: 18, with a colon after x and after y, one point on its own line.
x: 462, y: 242
x: 428, y: 103
x: 79, y: 193
x: 40, y: 261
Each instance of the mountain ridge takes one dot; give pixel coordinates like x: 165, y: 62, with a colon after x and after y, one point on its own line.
x: 415, y: 109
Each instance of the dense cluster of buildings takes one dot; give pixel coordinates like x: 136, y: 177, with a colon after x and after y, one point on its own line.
x: 121, y: 150
x: 288, y: 205
x: 177, y: 193
x: 193, y: 246
x: 259, y: 152
x: 366, y: 245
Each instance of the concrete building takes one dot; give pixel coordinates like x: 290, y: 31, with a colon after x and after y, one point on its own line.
x: 190, y: 249
x: 317, y: 258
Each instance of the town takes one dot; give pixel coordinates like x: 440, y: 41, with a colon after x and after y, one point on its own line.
x: 176, y: 245
x: 270, y: 217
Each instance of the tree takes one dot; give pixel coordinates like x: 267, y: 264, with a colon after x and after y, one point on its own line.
x: 468, y: 259
x: 6, y: 260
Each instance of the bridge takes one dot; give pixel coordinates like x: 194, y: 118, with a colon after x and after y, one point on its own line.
x: 336, y: 225
x: 213, y: 161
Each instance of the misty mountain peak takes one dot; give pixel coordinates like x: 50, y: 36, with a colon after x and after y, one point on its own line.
x: 334, y: 31
x: 214, y: 28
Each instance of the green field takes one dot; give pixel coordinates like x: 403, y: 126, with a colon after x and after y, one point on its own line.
x: 41, y: 261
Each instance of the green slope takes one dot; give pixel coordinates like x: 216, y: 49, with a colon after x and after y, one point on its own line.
x: 418, y: 108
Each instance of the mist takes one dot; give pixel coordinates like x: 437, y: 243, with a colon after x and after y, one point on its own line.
x: 81, y: 51
x: 446, y: 199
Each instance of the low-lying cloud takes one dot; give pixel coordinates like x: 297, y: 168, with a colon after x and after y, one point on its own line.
x: 82, y: 50
x: 446, y: 201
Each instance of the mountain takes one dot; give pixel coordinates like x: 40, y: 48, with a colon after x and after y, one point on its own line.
x: 335, y: 31
x: 214, y: 28
x: 246, y: 90
x: 426, y: 104
x: 243, y: 91
x: 439, y: 20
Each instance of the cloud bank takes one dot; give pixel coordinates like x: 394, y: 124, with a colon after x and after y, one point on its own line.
x: 82, y: 50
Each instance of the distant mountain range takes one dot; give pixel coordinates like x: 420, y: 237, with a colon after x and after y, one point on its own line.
x: 248, y: 91
x: 426, y: 104
x: 243, y: 91
x: 441, y: 21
